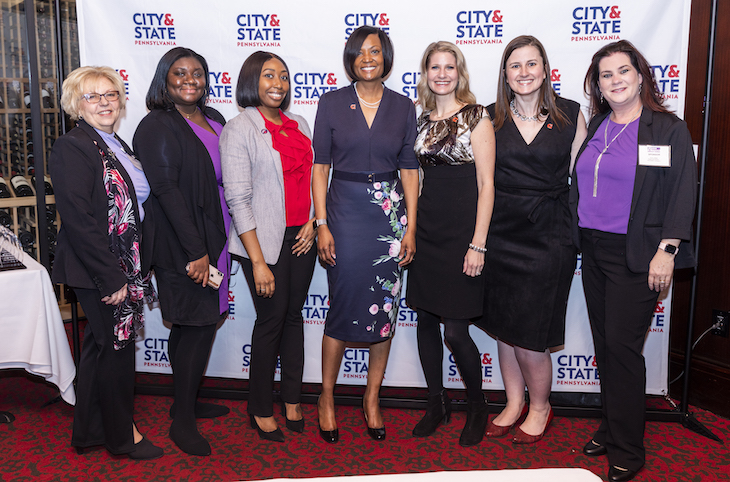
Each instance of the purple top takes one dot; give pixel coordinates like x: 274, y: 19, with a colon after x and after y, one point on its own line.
x: 342, y: 137
x: 210, y: 141
x: 609, y: 210
x: 133, y: 168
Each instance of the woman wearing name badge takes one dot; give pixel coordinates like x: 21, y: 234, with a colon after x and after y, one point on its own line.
x: 103, y: 253
x: 455, y: 147
x: 531, y: 258
x: 633, y: 200
x: 177, y: 143
x: 366, y: 221
x: 266, y: 157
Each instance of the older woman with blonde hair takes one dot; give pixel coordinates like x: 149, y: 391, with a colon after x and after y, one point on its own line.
x: 102, y: 254
x: 455, y: 148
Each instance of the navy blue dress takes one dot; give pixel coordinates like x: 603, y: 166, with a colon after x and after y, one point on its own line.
x: 367, y: 220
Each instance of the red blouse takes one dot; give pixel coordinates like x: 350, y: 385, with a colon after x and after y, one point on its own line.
x: 296, y: 161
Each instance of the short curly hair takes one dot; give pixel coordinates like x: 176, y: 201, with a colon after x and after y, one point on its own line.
x: 76, y: 82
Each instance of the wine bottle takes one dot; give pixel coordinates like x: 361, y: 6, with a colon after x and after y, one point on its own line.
x: 47, y: 186
x: 21, y: 186
x: 6, y: 219
x: 4, y: 189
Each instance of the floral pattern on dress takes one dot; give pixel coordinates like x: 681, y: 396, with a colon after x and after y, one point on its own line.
x: 385, y: 195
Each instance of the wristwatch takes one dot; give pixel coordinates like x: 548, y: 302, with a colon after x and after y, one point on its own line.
x: 669, y: 248
x: 318, y: 222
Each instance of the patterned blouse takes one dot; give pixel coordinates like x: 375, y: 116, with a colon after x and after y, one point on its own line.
x: 448, y: 141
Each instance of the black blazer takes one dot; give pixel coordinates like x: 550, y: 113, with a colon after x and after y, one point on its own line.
x: 83, y: 258
x: 663, y: 201
x: 188, y: 217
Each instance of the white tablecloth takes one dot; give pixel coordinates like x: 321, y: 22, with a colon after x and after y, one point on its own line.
x: 32, y: 335
x: 514, y: 475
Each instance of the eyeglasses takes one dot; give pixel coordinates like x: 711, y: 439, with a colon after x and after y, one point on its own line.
x: 110, y: 96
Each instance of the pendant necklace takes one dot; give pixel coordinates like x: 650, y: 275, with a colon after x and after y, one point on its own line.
x: 606, y: 146
x: 188, y: 116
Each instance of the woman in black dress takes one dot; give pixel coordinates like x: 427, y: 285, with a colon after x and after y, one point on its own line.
x: 177, y: 144
x: 531, y: 258
x: 455, y: 147
x: 366, y: 132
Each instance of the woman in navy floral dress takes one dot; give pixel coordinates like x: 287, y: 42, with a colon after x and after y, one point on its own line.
x: 366, y: 133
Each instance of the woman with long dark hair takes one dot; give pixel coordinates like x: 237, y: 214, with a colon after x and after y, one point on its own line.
x: 531, y: 258
x: 177, y: 143
x: 633, y: 201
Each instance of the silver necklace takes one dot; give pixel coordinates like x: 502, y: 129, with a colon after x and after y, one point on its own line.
x: 523, y: 118
x: 606, y: 146
x: 372, y: 105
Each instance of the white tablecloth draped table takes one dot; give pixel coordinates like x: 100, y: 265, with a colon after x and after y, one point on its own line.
x: 32, y: 335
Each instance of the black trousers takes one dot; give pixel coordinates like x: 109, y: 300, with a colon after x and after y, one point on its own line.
x: 103, y: 414
x: 620, y: 308
x: 279, y: 328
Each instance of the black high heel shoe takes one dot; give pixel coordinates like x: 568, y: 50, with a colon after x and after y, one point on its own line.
x: 329, y: 436
x: 377, y: 434
x: 293, y: 425
x: 437, y: 410
x: 274, y: 436
x: 477, y: 416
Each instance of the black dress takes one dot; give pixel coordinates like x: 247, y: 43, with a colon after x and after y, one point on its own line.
x: 447, y: 211
x: 531, y: 258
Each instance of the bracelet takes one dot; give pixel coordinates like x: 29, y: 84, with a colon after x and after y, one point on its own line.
x: 477, y: 248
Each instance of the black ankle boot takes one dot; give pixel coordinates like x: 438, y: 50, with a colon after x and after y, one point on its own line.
x: 477, y: 415
x: 438, y: 409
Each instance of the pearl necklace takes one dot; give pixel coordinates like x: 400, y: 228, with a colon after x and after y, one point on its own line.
x: 523, y: 118
x: 372, y: 105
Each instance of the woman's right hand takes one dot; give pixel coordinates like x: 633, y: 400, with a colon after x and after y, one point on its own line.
x: 326, y: 245
x: 264, y: 280
x: 198, y: 270
x: 116, y: 297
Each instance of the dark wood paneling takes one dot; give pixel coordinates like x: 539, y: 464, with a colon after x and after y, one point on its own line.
x: 710, y: 373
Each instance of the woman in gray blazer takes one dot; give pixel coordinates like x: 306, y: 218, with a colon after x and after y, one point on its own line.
x: 266, y: 157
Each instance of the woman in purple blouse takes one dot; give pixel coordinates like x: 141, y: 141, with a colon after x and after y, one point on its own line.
x: 633, y: 200
x: 177, y: 143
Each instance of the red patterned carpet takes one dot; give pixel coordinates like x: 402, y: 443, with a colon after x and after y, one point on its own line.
x: 36, y: 446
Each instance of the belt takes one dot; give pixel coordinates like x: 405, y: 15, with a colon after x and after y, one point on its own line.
x: 362, y: 177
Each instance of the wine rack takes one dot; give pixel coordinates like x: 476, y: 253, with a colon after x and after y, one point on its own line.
x: 18, y: 143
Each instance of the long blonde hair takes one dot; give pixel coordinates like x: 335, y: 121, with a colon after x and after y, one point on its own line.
x: 463, y: 94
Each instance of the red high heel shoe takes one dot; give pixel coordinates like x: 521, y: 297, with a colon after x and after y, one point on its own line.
x: 523, y: 438
x: 494, y: 430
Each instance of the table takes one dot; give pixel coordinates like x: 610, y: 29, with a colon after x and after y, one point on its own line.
x: 32, y: 335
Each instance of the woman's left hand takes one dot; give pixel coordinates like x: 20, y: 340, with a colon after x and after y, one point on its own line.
x: 473, y: 263
x: 305, y: 239
x: 661, y: 269
x: 407, y: 248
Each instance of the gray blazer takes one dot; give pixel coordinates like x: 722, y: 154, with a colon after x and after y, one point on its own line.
x: 248, y: 159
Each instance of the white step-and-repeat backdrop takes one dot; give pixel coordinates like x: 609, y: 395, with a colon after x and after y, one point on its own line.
x: 131, y: 37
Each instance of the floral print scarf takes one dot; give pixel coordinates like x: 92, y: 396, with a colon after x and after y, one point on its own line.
x: 124, y: 242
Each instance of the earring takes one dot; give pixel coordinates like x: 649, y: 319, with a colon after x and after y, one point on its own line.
x: 640, y: 86
x: 601, y: 97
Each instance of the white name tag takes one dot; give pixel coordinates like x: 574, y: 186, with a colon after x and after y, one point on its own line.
x: 655, y: 156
